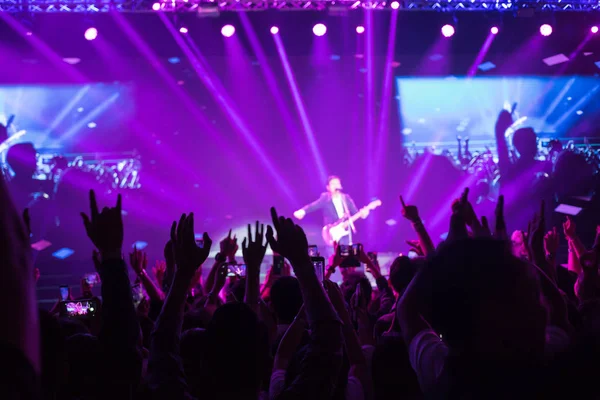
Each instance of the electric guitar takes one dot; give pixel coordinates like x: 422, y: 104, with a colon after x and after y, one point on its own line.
x: 334, y: 232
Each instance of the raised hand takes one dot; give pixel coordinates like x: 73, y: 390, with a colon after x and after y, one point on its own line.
x: 570, y: 229
x: 105, y: 229
x: 188, y: 255
x: 415, y: 246
x: 229, y: 246
x: 138, y: 261
x: 505, y: 120
x: 338, y: 258
x: 159, y: 270
x: 254, y: 250
x: 291, y: 241
x: 551, y: 241
x: 500, y: 232
x: 411, y: 213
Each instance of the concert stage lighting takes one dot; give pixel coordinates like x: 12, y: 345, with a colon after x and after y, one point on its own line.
x: 319, y: 29
x: 594, y: 29
x: 183, y: 30
x: 494, y: 30
x: 91, y: 33
x: 395, y: 5
x: 546, y: 30
x: 156, y: 6
x: 447, y: 30
x: 360, y: 29
x: 228, y: 30
x: 274, y: 30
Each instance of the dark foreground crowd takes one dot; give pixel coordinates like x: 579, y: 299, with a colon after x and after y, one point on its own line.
x: 480, y: 316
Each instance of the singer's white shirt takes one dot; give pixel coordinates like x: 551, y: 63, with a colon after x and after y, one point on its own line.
x: 339, y: 206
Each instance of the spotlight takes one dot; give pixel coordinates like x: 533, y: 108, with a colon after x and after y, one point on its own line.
x: 395, y: 5
x: 494, y: 30
x: 91, y: 33
x: 546, y: 30
x: 274, y: 30
x: 183, y: 30
x: 319, y: 29
x: 594, y: 29
x: 228, y: 30
x: 360, y: 29
x: 447, y: 30
x: 156, y: 6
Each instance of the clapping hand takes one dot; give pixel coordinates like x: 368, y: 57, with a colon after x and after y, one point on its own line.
x: 105, y: 229
x: 254, y: 250
x: 188, y: 255
x: 291, y: 241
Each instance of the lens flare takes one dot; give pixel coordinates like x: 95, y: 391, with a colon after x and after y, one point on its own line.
x: 91, y: 33
x: 594, y: 29
x: 447, y: 30
x: 274, y: 30
x: 183, y: 30
x: 494, y: 30
x: 319, y: 29
x: 228, y: 30
x: 546, y: 30
x: 360, y: 29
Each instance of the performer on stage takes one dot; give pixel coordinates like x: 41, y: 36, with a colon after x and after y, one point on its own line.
x: 334, y: 204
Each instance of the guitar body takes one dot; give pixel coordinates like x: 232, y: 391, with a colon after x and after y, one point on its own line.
x: 334, y: 232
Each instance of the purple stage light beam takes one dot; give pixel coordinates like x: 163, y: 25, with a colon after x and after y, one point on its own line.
x: 220, y: 95
x: 386, y: 94
x: 370, y: 99
x: 274, y: 30
x: 274, y: 87
x: 481, y: 55
x: 43, y: 48
x: 594, y: 29
x: 310, y: 136
x: 186, y: 101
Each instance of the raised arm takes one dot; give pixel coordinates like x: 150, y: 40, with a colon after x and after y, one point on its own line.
x: 411, y: 213
x: 314, y: 206
x: 321, y: 364
x: 502, y: 124
x: 166, y: 377
x: 139, y: 261
x: 19, y: 338
x: 120, y: 328
x: 254, y: 252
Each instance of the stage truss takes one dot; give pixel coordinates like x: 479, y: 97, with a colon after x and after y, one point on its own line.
x: 212, y: 8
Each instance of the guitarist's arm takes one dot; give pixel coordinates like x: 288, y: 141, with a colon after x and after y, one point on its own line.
x: 314, y: 206
x: 353, y: 209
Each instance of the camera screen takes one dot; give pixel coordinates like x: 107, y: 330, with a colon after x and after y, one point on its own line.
x: 79, y: 308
